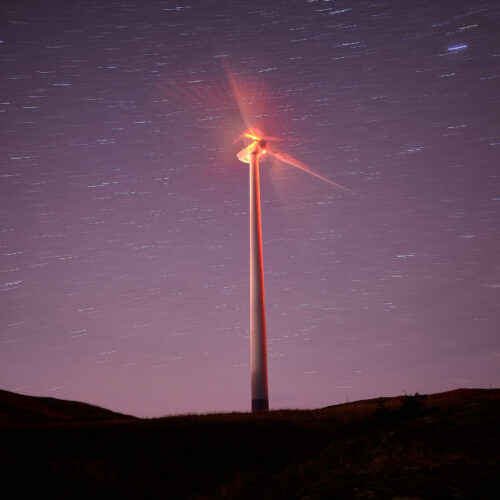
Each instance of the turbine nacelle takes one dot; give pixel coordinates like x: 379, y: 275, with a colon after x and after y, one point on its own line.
x: 258, y: 147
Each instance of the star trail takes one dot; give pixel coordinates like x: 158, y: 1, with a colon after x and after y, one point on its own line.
x: 124, y: 210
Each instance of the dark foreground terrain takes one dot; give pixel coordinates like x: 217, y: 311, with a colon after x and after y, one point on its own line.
x: 437, y: 446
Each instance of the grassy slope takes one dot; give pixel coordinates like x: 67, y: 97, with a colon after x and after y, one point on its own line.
x: 20, y: 409
x: 443, y: 446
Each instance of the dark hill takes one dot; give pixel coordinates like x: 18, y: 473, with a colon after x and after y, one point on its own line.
x: 440, y: 446
x: 19, y: 409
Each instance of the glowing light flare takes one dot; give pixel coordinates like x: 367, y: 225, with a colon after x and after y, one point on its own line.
x: 251, y: 136
x: 258, y: 145
x: 257, y: 135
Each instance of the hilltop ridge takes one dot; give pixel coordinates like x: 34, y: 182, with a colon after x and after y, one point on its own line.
x: 20, y: 409
x: 435, y: 446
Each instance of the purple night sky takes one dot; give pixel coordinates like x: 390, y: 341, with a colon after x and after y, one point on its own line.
x: 124, y: 211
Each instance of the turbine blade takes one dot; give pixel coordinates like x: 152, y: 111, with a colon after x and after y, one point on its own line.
x: 302, y: 166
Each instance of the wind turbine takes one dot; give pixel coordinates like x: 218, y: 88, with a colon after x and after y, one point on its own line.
x: 251, y: 154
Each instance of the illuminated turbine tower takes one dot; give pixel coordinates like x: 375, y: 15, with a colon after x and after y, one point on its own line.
x: 258, y: 349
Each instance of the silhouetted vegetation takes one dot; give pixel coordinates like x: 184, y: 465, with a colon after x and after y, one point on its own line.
x: 411, y: 407
x: 435, y: 446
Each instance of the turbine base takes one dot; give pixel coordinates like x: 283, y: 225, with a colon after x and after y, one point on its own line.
x: 260, y: 404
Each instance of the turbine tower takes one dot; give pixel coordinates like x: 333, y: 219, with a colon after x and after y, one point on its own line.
x: 258, y: 342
